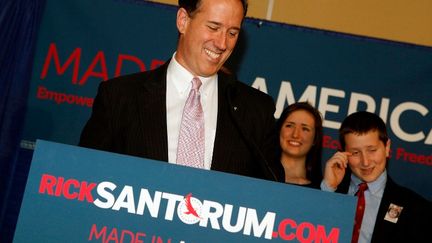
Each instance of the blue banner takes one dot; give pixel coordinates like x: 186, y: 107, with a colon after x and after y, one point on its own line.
x: 76, y: 194
x: 82, y: 43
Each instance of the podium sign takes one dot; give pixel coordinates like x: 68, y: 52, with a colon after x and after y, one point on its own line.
x: 76, y: 194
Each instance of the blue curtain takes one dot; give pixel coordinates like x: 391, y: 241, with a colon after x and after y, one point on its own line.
x: 19, y: 22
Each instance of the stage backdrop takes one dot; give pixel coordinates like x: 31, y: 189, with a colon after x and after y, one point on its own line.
x: 83, y: 43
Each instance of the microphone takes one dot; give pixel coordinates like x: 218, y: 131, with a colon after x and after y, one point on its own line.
x: 268, y: 171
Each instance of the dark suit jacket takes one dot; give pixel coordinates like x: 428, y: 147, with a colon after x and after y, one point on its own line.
x: 129, y: 117
x: 414, y: 221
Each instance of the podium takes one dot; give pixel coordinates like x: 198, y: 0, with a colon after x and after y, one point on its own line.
x: 76, y: 194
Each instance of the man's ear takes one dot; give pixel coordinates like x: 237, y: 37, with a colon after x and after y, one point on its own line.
x: 387, y: 147
x: 182, y: 20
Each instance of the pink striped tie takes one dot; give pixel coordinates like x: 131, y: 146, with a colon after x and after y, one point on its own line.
x: 190, y: 149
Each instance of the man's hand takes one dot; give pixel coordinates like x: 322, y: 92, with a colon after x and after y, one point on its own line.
x: 335, y: 169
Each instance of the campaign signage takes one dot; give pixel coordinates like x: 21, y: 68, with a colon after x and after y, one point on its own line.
x: 76, y: 194
x: 82, y: 43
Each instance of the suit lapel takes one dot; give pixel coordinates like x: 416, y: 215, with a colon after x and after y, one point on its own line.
x: 224, y: 129
x: 384, y: 229
x: 151, y: 103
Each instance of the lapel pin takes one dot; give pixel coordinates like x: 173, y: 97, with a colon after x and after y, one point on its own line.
x: 393, y: 213
x: 235, y: 108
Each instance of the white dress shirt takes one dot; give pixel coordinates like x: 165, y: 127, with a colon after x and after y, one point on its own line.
x: 178, y: 87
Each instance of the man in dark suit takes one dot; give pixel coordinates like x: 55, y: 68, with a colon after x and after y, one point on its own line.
x: 392, y: 213
x: 140, y: 114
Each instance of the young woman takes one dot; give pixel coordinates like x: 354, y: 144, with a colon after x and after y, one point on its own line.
x: 300, y: 139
